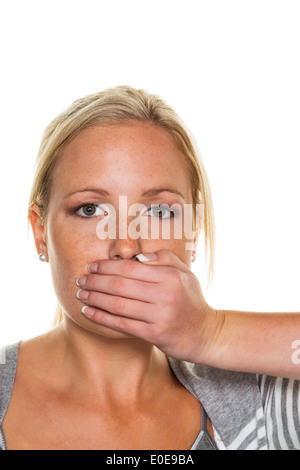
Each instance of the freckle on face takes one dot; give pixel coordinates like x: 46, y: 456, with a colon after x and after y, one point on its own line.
x: 125, y: 159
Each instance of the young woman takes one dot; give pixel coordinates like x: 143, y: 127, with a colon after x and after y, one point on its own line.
x: 135, y: 339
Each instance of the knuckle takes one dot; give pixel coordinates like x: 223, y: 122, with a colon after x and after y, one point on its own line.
x: 117, y: 283
x: 130, y: 266
x: 118, y: 305
x: 92, y: 281
x: 156, y: 334
x: 92, y: 299
x: 100, y: 317
x: 121, y: 323
x: 176, y: 277
x: 153, y: 333
x: 173, y: 277
x: 101, y: 265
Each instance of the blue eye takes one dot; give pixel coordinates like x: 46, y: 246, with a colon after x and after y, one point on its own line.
x: 161, y: 212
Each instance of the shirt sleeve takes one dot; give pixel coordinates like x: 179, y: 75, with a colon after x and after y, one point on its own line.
x: 281, y: 405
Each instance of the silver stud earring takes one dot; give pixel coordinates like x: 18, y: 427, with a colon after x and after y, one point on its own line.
x: 194, y: 257
x: 43, y: 257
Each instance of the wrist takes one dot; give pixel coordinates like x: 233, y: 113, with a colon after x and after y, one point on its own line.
x: 208, y: 345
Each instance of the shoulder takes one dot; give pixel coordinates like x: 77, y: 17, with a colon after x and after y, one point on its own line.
x: 8, y: 365
x: 8, y: 360
x: 198, y: 377
x: 246, y: 409
x: 232, y: 400
x: 281, y: 403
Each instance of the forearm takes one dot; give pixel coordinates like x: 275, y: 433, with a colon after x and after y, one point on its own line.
x: 262, y: 343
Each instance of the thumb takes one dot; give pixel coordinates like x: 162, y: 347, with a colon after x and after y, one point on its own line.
x: 163, y: 258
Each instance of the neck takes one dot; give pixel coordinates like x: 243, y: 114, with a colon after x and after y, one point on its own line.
x: 125, y: 368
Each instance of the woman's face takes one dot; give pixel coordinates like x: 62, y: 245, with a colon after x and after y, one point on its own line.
x: 94, y: 169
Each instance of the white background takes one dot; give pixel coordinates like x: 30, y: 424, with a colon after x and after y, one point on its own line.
x: 231, y: 68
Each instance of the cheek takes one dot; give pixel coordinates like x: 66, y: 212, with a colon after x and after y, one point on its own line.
x: 70, y: 252
x: 179, y: 248
x: 67, y: 262
x: 69, y: 256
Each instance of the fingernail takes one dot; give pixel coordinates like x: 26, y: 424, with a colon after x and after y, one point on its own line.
x: 82, y: 294
x: 93, y: 267
x: 88, y: 311
x: 81, y: 281
x: 147, y: 257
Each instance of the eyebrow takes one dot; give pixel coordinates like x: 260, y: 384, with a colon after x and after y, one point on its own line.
x: 148, y: 193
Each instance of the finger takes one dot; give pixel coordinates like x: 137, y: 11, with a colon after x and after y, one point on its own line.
x: 129, y: 326
x: 166, y: 262
x: 121, y: 286
x: 120, y: 306
x: 127, y: 268
x: 163, y: 258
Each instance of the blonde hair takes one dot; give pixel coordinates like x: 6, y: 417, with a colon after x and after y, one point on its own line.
x: 114, y: 105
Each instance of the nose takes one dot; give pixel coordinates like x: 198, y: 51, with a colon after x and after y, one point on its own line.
x: 124, y: 249
x: 123, y: 242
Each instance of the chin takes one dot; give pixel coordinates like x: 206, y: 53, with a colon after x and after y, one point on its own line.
x: 87, y: 325
x: 104, y: 331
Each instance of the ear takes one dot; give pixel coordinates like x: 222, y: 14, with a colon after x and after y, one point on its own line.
x: 199, y: 226
x: 38, y: 229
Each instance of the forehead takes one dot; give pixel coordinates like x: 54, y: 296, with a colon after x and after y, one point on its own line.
x: 122, y: 157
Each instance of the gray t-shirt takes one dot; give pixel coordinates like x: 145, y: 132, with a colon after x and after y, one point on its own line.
x: 247, y: 411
